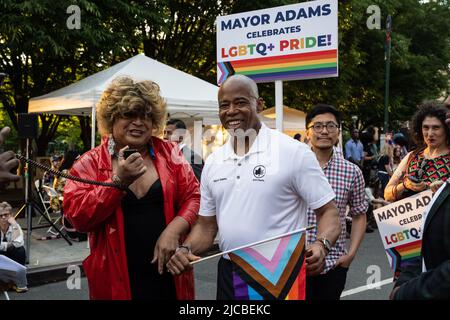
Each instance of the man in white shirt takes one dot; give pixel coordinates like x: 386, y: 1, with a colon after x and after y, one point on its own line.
x: 258, y: 185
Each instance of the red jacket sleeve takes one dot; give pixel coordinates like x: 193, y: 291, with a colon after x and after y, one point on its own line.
x: 87, y: 206
x: 188, y: 192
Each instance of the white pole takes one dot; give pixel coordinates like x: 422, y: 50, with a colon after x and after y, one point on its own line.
x: 279, y: 105
x: 93, y: 120
x: 198, y: 134
x: 253, y: 244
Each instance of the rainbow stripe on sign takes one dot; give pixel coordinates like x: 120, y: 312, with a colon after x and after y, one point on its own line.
x: 404, y: 254
x: 287, y: 67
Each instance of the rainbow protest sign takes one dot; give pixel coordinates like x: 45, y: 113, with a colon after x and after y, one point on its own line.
x: 271, y: 270
x: 400, y: 227
x: 292, y: 42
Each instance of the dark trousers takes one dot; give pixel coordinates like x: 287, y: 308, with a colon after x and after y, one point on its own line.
x: 16, y: 254
x: 225, y: 288
x: 384, y: 179
x: 327, y: 286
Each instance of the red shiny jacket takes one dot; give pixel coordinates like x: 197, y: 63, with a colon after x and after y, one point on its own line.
x: 97, y: 210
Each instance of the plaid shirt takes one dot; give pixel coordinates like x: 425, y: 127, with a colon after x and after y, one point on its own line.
x: 347, y: 181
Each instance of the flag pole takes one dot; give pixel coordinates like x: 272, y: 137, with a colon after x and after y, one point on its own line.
x: 252, y: 244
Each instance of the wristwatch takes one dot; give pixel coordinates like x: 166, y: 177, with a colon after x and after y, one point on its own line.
x: 183, y: 246
x: 326, y: 244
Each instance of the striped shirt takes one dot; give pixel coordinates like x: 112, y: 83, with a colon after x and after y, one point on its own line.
x: 347, y: 181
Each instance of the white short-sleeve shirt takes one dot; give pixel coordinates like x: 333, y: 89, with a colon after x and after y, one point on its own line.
x: 265, y: 193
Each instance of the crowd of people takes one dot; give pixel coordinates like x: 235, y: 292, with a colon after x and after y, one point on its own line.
x: 169, y: 206
x: 393, y: 173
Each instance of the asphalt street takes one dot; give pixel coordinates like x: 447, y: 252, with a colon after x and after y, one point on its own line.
x: 370, y: 267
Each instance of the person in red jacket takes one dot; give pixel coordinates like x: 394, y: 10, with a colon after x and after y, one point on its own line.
x: 133, y: 230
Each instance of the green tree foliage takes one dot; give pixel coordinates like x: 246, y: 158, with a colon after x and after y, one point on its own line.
x: 12, y: 142
x: 420, y: 59
x: 41, y: 54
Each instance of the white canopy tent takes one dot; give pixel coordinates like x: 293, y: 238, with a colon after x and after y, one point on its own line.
x: 293, y: 120
x: 186, y: 95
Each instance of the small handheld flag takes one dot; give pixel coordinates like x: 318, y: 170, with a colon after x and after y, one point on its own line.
x: 270, y: 269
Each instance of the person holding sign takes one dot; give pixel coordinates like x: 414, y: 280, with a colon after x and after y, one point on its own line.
x: 430, y: 278
x: 429, y: 165
x: 323, y: 123
x: 256, y: 186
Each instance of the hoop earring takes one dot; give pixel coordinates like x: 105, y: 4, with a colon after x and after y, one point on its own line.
x: 111, y: 145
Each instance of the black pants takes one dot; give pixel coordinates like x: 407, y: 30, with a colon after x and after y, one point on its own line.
x: 384, y: 179
x: 16, y: 254
x: 225, y: 288
x: 327, y: 286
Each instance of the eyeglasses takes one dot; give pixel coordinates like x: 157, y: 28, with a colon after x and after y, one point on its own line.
x: 5, y: 215
x: 318, y: 127
x: 133, y: 115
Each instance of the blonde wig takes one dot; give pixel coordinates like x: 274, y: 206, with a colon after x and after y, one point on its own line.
x: 123, y: 96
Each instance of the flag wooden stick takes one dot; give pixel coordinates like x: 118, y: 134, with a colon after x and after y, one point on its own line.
x: 252, y: 244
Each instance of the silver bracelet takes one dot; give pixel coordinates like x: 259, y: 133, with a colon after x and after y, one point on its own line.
x: 118, y: 182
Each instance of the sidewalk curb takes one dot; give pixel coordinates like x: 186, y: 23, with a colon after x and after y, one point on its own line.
x: 39, y: 276
x: 42, y: 275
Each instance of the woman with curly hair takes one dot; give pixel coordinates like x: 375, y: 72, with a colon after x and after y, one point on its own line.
x: 429, y: 165
x: 133, y: 230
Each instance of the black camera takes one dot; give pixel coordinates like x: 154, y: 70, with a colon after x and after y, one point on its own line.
x: 128, y: 152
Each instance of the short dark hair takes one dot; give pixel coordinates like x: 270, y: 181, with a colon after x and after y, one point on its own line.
x: 179, y: 124
x: 366, y: 137
x: 428, y: 109
x: 321, y: 109
x: 297, y: 136
x: 69, y: 159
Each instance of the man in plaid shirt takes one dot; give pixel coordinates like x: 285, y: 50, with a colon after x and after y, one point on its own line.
x: 323, y: 127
